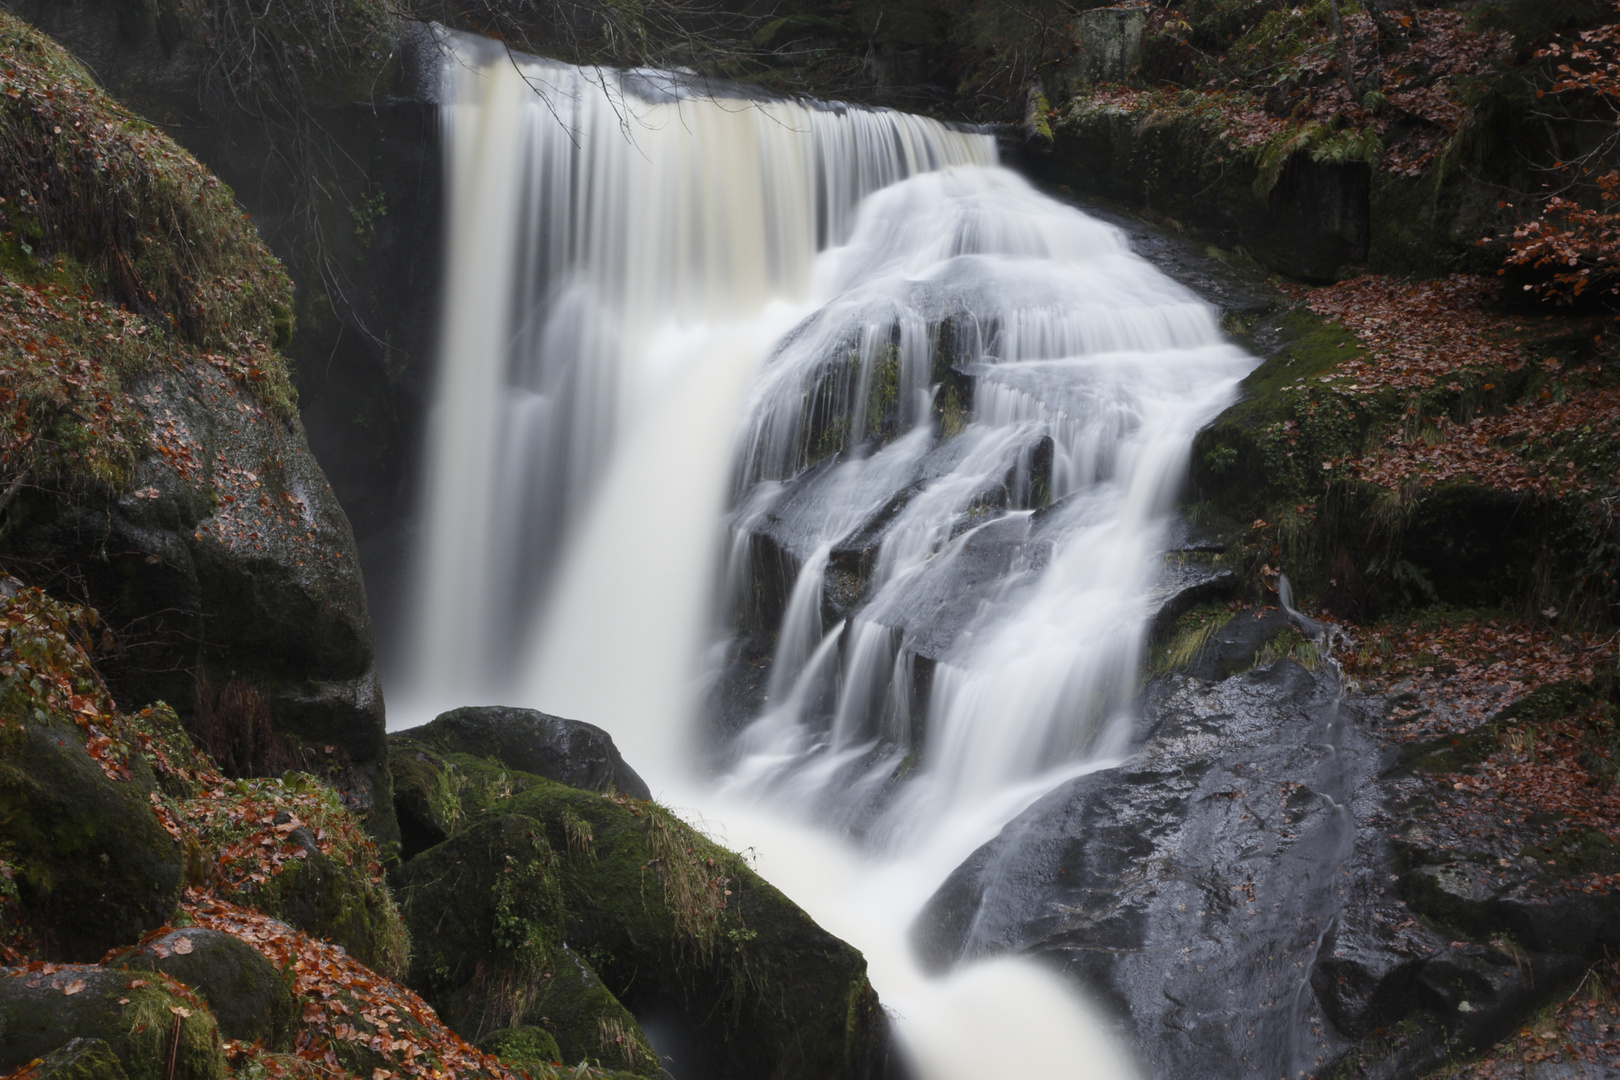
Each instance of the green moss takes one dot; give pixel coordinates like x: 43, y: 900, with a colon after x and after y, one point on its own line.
x: 160, y: 1025
x: 523, y: 1048
x: 1188, y: 637
x: 668, y: 920
x: 1270, y: 446
x: 118, y: 253
x: 1290, y: 645
x: 146, y: 1026
x: 81, y: 1059
x: 487, y: 910
x: 335, y: 895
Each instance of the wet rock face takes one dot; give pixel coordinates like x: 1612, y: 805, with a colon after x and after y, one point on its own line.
x: 228, y: 557
x: 1189, y: 888
x: 1255, y: 892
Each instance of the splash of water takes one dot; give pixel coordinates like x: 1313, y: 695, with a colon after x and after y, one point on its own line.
x: 945, y: 412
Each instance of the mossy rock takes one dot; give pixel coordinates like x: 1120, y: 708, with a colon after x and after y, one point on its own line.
x: 486, y: 910
x: 1248, y: 459
x: 250, y: 999
x: 1295, y: 215
x: 676, y: 926
x: 95, y: 868
x: 522, y: 1048
x: 113, y: 193
x: 436, y: 794
x: 141, y: 1019
x: 588, y: 1021
x: 679, y: 927
x: 568, y: 751
x: 81, y: 1059
x: 338, y: 902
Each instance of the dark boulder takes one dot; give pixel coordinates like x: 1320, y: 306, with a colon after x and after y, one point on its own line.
x: 568, y: 751
x: 155, y: 1030
x: 1189, y: 887
x: 95, y: 868
x: 250, y: 999
x: 241, y: 567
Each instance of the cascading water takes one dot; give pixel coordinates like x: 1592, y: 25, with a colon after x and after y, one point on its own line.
x: 608, y: 231
x: 947, y: 415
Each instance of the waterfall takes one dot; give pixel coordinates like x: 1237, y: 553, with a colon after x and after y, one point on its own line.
x: 606, y: 230
x: 728, y: 379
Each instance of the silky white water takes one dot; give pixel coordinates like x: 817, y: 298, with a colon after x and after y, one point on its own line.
x: 702, y: 349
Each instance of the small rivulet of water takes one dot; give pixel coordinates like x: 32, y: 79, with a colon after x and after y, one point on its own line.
x: 817, y: 411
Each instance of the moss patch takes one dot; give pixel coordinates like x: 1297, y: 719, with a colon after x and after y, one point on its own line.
x: 145, y: 1019
x: 118, y: 253
x: 672, y: 923
x: 90, y: 867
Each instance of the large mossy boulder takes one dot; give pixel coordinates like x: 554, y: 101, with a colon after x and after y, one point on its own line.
x: 431, y: 798
x: 167, y: 472
x: 486, y: 910
x: 251, y: 1000
x: 155, y: 1029
x: 92, y: 866
x: 678, y: 929
x: 570, y: 752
